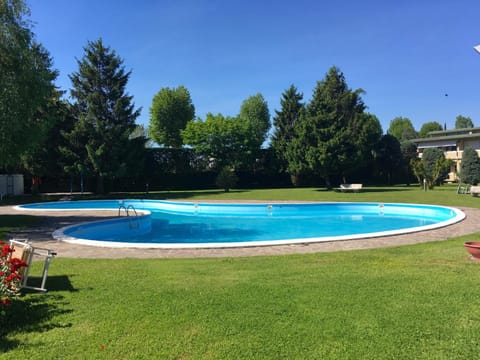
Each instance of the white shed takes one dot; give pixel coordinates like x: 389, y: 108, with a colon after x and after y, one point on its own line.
x: 11, y: 184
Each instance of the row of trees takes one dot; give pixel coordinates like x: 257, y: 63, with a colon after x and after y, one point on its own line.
x: 331, y: 136
x: 44, y: 133
x: 403, y: 129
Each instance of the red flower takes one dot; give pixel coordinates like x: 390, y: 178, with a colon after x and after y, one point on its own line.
x: 11, y: 277
x: 16, y: 264
x: 6, y: 250
x: 5, y: 302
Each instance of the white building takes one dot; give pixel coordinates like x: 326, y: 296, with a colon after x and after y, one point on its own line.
x: 11, y: 185
x: 452, y: 143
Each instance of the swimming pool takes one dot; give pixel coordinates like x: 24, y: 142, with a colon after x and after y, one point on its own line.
x: 167, y: 224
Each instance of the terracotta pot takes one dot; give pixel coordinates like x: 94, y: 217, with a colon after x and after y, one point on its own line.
x: 473, y: 247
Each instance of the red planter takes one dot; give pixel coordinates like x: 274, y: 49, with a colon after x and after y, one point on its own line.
x: 473, y: 247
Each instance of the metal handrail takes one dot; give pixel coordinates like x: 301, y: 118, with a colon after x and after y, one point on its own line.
x: 122, y: 207
x: 131, y: 224
x: 130, y: 207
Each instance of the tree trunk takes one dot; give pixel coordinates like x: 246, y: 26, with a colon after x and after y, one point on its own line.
x: 328, y: 184
x: 295, y: 179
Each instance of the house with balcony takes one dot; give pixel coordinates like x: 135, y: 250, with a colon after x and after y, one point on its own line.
x: 452, y: 143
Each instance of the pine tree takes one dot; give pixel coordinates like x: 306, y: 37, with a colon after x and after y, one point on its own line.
x: 327, y: 137
x: 284, y: 123
x: 105, y: 117
x: 470, y: 167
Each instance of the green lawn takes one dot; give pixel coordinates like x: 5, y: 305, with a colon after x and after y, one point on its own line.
x: 394, y: 303
x: 443, y: 195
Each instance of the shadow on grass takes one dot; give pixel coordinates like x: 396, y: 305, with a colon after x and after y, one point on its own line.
x: 53, y: 284
x: 35, y: 312
x: 8, y: 222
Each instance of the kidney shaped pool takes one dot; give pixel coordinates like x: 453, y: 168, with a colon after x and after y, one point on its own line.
x: 166, y: 224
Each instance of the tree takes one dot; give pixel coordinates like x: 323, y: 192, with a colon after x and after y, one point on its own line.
x: 470, y: 167
x: 105, y: 117
x: 284, y: 123
x: 429, y: 126
x: 254, y: 123
x: 219, y: 139
x: 388, y: 156
x: 433, y: 167
x: 231, y: 141
x: 171, y: 110
x: 366, y: 132
x: 141, y: 132
x: 226, y: 179
x: 409, y: 154
x: 48, y: 158
x: 328, y: 137
x: 402, y: 129
x: 463, y: 122
x: 26, y: 85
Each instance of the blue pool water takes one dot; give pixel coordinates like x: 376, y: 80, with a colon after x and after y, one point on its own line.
x: 182, y: 224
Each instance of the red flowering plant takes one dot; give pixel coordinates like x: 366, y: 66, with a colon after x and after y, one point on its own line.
x: 10, y: 278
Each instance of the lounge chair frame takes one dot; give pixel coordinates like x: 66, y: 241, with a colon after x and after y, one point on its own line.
x: 26, y: 252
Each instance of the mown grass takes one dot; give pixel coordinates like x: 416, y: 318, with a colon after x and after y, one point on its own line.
x: 441, y: 195
x: 393, y: 303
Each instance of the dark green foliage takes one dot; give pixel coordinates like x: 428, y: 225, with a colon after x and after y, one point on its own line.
x: 26, y: 84
x: 433, y: 167
x: 48, y: 159
x: 284, y: 123
x: 171, y: 110
x: 409, y: 154
x: 463, y: 122
x: 226, y: 179
x: 334, y: 136
x: 429, y: 126
x: 470, y: 167
x: 100, y: 142
x: 402, y: 129
x: 388, y: 158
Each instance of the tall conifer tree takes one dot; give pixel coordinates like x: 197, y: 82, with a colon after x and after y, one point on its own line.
x: 470, y: 167
x: 330, y: 137
x: 284, y: 123
x: 105, y: 116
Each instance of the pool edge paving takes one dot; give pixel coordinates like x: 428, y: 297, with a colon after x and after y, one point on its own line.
x: 54, y: 220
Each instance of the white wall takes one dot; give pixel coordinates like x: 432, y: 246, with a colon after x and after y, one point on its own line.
x: 11, y: 184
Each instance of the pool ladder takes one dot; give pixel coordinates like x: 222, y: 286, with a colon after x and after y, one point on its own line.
x: 133, y: 223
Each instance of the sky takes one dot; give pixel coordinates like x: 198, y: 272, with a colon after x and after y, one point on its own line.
x: 413, y: 58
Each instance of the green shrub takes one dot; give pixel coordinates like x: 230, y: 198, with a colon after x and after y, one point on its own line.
x: 226, y: 179
x: 470, y: 167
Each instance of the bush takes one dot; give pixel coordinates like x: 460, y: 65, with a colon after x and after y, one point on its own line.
x: 433, y: 167
x: 470, y: 167
x: 226, y: 179
x: 10, y: 279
